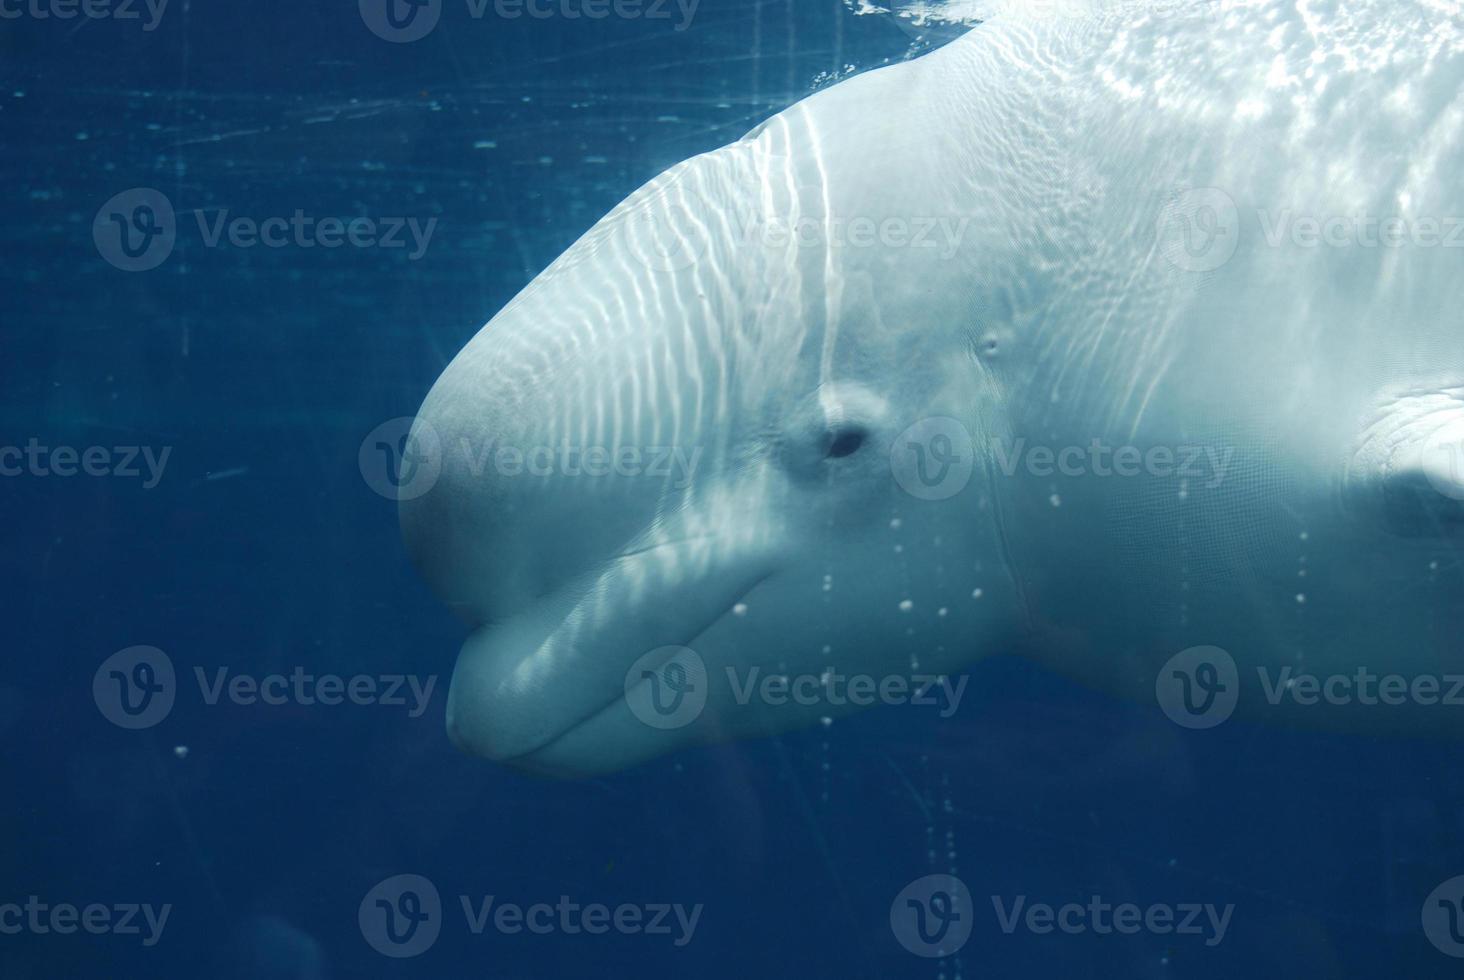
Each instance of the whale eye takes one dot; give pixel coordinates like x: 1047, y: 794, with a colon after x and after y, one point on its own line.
x: 845, y: 441
x: 831, y: 434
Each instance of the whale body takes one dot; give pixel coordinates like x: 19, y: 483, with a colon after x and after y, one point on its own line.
x: 1107, y: 333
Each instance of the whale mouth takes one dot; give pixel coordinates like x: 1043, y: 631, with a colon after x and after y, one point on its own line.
x: 521, y: 684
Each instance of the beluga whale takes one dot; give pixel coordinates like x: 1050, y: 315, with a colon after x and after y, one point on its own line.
x: 1126, y: 337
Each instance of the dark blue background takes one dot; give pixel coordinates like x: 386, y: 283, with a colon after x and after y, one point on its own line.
x: 276, y: 363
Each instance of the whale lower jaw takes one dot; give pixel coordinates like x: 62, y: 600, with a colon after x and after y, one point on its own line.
x: 523, y: 687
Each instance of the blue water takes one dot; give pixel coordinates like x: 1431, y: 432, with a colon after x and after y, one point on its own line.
x: 261, y: 549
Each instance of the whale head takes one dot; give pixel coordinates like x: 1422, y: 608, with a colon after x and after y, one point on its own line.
x: 719, y: 463
x: 709, y: 448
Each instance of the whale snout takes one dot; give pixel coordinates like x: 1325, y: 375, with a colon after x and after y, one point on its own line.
x: 577, y: 533
x: 1424, y: 487
x: 1409, y: 472
x: 524, y: 502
